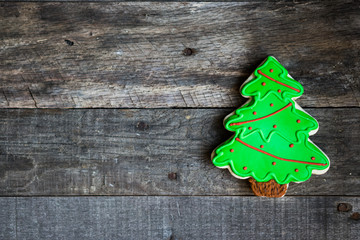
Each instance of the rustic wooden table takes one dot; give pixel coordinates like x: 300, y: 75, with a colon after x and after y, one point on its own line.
x: 107, y: 126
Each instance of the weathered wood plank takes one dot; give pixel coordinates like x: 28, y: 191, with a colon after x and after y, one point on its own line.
x: 132, y: 152
x: 181, y: 218
x: 8, y: 218
x: 127, y: 55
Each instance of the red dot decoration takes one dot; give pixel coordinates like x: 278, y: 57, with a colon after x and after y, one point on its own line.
x: 231, y: 150
x: 250, y: 128
x: 271, y: 70
x: 296, y: 170
x: 271, y: 104
x: 279, y: 90
x: 254, y: 113
x: 274, y: 126
x: 263, y: 84
x: 262, y: 146
x: 312, y: 158
x: 298, y: 121
x: 291, y: 145
x: 244, y: 168
x: 274, y: 163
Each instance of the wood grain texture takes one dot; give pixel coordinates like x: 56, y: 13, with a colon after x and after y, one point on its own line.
x: 180, y: 218
x: 150, y: 152
x: 129, y: 55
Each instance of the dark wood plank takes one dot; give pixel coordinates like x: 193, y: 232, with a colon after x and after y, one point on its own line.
x: 181, y: 218
x: 132, y: 152
x: 126, y: 55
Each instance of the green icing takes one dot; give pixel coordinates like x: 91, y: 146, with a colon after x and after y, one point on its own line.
x: 271, y: 139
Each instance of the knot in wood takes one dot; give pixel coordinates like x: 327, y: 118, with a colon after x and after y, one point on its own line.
x: 344, y: 207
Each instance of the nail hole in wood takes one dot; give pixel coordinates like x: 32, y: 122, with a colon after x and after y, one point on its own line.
x: 142, y: 126
x: 172, y: 176
x: 68, y: 42
x: 344, y: 207
x: 355, y: 216
x: 188, y: 52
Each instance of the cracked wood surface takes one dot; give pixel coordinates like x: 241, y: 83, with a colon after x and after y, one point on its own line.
x: 171, y: 218
x: 130, y: 55
x: 150, y: 152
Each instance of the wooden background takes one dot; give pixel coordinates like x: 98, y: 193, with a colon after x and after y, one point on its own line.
x: 107, y: 127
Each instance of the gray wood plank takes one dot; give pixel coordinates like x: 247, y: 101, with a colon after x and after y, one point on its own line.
x: 183, y: 218
x: 130, y: 55
x: 7, y: 218
x: 150, y: 152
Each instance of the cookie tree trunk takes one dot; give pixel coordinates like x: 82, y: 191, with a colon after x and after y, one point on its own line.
x: 268, y: 189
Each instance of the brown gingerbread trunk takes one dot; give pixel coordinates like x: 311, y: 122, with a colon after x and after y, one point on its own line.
x: 268, y: 189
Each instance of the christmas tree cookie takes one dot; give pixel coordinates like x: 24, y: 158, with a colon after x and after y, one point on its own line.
x: 271, y: 144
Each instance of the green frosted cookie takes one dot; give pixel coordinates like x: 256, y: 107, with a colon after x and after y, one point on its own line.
x: 271, y: 139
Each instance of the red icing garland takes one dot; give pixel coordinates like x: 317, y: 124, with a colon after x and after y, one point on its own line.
x: 283, y: 159
x: 278, y: 81
x: 239, y: 123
